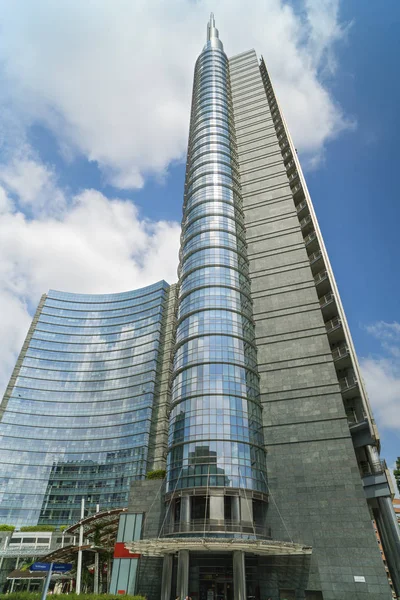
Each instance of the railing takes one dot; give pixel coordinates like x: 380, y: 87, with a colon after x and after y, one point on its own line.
x: 320, y: 276
x: 206, y: 526
x: 296, y: 188
x: 334, y: 323
x: 340, y: 352
x: 365, y: 468
x: 290, y: 164
x: 15, y: 550
x: 314, y: 256
x: 327, y: 299
x: 305, y: 221
x: 293, y: 176
x: 347, y: 382
x: 301, y: 205
x: 286, y: 154
x: 310, y: 237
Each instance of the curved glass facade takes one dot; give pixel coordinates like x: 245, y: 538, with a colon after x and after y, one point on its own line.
x: 77, y: 421
x: 215, y: 434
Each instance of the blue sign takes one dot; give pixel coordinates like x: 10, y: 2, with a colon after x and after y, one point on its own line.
x: 57, y: 567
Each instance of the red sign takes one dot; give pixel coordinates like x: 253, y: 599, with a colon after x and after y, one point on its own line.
x: 121, y: 552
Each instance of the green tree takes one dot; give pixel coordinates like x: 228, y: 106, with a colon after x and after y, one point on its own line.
x: 396, y: 473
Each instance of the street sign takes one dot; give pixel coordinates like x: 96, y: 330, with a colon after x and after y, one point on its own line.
x: 57, y: 567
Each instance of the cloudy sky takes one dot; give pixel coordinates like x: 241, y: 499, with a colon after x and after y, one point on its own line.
x: 94, y: 110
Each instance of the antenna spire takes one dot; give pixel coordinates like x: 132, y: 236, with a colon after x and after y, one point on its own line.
x: 213, y: 34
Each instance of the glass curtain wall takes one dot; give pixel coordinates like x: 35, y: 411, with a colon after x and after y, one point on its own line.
x: 215, y: 436
x: 78, y: 420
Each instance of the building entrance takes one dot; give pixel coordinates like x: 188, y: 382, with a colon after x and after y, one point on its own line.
x: 216, y: 590
x: 211, y: 577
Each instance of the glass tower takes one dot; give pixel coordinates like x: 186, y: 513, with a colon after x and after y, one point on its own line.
x: 215, y: 436
x: 77, y: 413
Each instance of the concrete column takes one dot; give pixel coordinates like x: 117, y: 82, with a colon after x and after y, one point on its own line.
x: 246, y: 511
x: 239, y: 575
x: 392, y: 535
x: 185, y: 513
x: 166, y: 577
x: 235, y: 509
x: 182, y: 580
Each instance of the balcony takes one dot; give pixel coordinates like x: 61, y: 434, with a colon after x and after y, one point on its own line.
x: 348, y: 385
x: 290, y: 165
x: 284, y: 144
x: 220, y: 528
x: 306, y: 224
x: 301, y: 206
x: 334, y: 329
x: 311, y: 241
x: 321, y: 280
x: 326, y: 301
x: 293, y: 177
x: 341, y: 356
x: 286, y: 154
x: 296, y: 189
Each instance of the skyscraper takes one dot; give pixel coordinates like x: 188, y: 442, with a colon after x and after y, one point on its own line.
x: 272, y: 459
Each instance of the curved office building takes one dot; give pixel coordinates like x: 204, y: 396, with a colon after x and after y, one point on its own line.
x: 78, y: 414
x: 215, y: 435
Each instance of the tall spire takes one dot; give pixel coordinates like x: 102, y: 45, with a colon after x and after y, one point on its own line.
x: 213, y: 40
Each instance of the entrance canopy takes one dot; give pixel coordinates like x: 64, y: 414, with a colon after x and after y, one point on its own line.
x: 163, y: 546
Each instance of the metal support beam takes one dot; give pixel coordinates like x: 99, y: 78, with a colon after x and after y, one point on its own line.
x: 239, y: 575
x: 182, y: 580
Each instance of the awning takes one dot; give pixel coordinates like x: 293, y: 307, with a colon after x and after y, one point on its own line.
x: 162, y: 546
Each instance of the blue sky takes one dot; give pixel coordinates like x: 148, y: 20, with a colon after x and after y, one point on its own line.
x: 93, y: 126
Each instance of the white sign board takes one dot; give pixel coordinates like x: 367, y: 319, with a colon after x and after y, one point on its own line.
x: 359, y: 578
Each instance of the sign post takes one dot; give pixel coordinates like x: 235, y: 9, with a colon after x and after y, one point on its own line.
x: 47, y: 582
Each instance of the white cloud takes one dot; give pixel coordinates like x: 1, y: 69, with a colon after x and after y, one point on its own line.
x: 112, y: 80
x: 33, y: 183
x: 382, y: 374
x: 94, y: 245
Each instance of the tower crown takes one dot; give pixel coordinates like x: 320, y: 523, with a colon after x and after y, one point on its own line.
x: 213, y: 40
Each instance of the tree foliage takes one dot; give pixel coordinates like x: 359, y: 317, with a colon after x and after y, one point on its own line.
x: 157, y: 474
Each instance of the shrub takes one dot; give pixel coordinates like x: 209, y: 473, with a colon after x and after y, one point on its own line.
x: 158, y: 474
x: 38, y: 528
x: 4, y: 527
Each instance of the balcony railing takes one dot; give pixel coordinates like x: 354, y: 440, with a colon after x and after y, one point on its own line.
x: 309, y: 238
x: 333, y: 324
x: 301, y: 205
x: 340, y: 352
x: 296, y: 188
x: 201, y: 526
x: 290, y: 164
x: 347, y: 383
x: 293, y: 176
x: 321, y: 276
x: 327, y: 299
x: 286, y: 154
x: 365, y: 468
x: 306, y: 221
x: 314, y: 256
